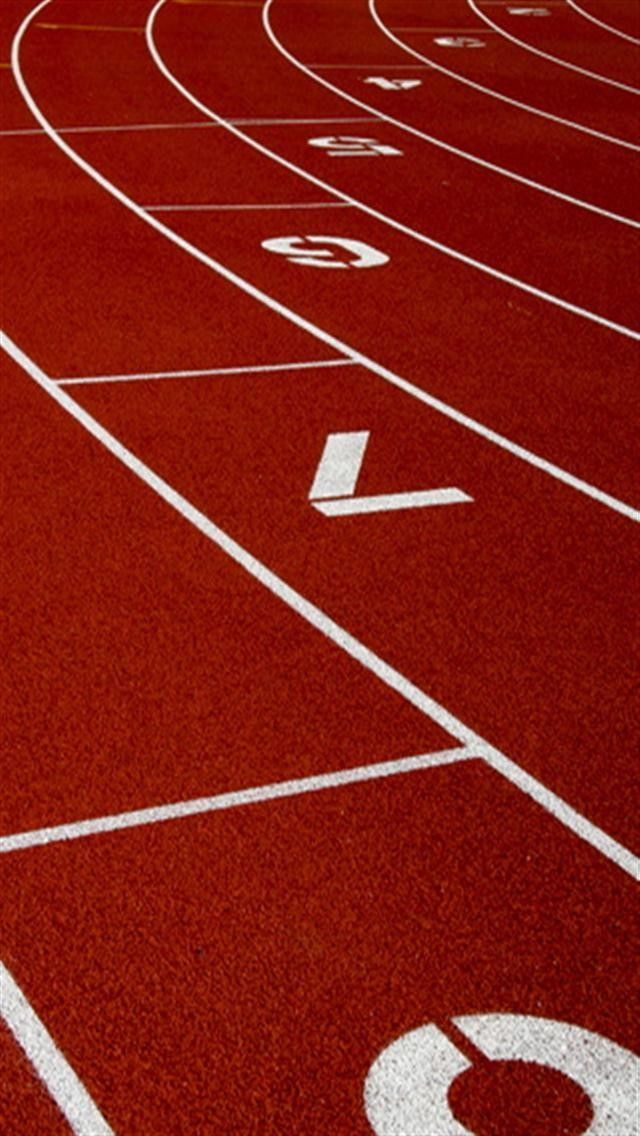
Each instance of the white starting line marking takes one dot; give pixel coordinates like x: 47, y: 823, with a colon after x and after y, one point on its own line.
x: 238, y: 798
x: 529, y: 785
x: 48, y: 1061
x: 211, y: 372
x: 210, y: 208
x: 337, y: 476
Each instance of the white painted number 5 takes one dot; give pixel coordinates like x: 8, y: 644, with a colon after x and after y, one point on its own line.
x: 346, y: 146
x: 407, y: 1087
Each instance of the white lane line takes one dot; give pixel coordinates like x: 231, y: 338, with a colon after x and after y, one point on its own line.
x: 455, y: 254
x: 131, y: 128
x: 238, y: 798
x: 552, y: 58
x: 88, y: 28
x: 49, y: 1062
x: 294, y: 317
x: 315, y: 617
x: 391, y: 502
x: 365, y: 66
x: 429, y: 138
x: 209, y: 208
x: 601, y: 23
x: 210, y: 372
x: 527, y: 107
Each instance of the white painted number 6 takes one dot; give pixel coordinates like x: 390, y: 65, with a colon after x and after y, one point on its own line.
x: 326, y: 252
x: 406, y: 1090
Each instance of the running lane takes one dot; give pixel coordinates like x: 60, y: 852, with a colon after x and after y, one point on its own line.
x: 241, y: 973
x: 517, y: 363
x: 431, y: 191
x: 560, y: 32
x: 619, y: 14
x: 344, y: 48
x: 508, y: 533
x: 505, y: 67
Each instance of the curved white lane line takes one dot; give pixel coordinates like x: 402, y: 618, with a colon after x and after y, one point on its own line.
x: 496, y: 94
x: 464, y: 154
x: 442, y: 145
x: 323, y: 623
x: 341, y: 348
x: 607, y: 27
x: 552, y: 58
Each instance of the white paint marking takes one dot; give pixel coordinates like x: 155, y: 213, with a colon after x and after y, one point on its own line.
x: 49, y: 1062
x: 459, y: 41
x: 209, y: 208
x: 211, y: 372
x: 383, y: 116
x: 421, y: 237
x: 552, y: 58
x: 324, y: 252
x: 390, y: 502
x: 601, y: 23
x: 392, y: 84
x: 407, y: 1087
x: 389, y: 32
x: 529, y: 12
x: 239, y: 798
x: 315, y: 617
x: 249, y: 289
x: 348, y: 146
x: 131, y: 128
x: 340, y: 464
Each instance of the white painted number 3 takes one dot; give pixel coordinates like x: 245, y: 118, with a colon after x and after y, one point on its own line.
x: 407, y: 1087
x: 326, y: 252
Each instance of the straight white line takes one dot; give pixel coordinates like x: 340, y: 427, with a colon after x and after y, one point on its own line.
x: 49, y: 1062
x: 131, y: 128
x: 601, y: 23
x: 338, y: 635
x: 366, y: 67
x: 489, y: 91
x: 210, y: 372
x: 239, y: 798
x: 294, y: 317
x: 553, y: 58
x: 209, y: 208
x: 433, y: 141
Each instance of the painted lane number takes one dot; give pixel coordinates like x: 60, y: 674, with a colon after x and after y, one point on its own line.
x: 345, y: 146
x: 393, y: 84
x: 326, y: 252
x: 408, y: 1086
x: 459, y: 41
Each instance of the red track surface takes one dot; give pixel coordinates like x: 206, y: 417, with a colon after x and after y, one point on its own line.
x: 449, y: 695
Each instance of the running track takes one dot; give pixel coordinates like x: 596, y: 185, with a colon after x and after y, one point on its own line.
x: 320, y: 815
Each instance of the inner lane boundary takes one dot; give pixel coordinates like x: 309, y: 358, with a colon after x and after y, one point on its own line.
x: 341, y: 348
x: 313, y: 615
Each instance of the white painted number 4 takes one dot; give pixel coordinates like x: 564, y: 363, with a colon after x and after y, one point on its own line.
x: 347, y: 147
x: 408, y: 1086
x: 326, y: 252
